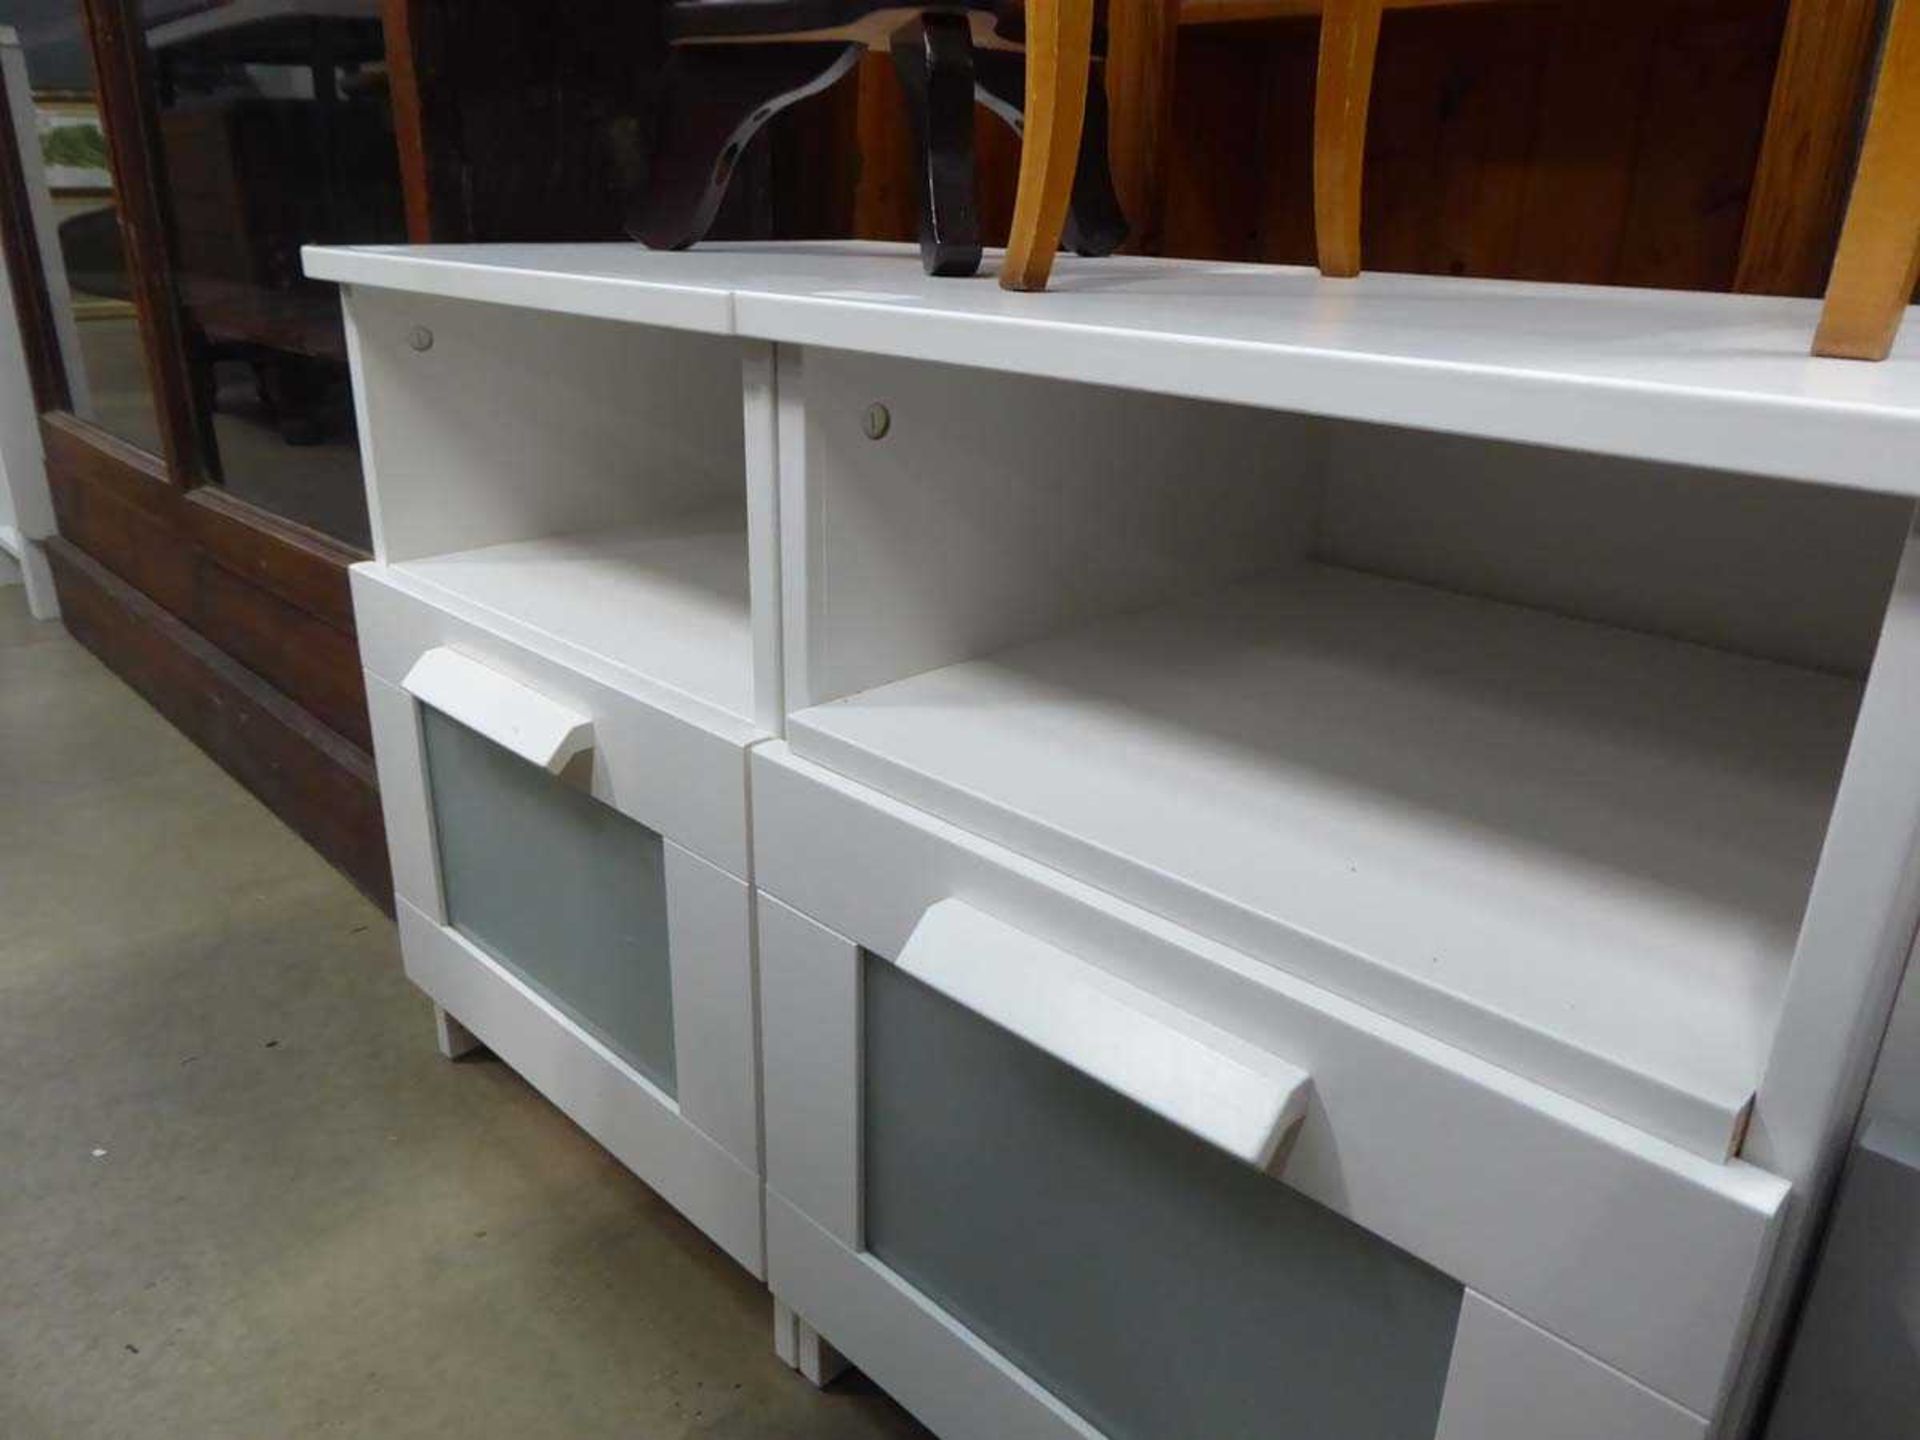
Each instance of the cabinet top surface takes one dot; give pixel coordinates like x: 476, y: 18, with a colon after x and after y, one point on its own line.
x: 1724, y: 381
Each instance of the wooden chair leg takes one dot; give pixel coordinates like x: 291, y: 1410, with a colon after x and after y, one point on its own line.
x: 718, y: 97
x: 1349, y: 39
x: 934, y: 58
x: 1096, y: 223
x: 1142, y: 44
x: 1879, y: 260
x: 1059, y: 35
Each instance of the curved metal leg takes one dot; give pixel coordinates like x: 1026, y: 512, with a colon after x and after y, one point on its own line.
x: 934, y: 59
x: 718, y: 97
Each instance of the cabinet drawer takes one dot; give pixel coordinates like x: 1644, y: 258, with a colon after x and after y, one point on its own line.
x: 609, y: 964
x: 1449, y: 1182
x: 671, y: 763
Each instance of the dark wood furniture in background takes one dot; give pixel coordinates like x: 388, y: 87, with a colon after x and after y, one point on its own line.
x: 252, y: 179
x: 1822, y: 52
x: 735, y: 64
x: 235, y: 623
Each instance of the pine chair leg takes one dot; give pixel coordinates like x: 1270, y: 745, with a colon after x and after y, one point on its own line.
x: 1096, y: 223
x: 1879, y: 260
x: 1059, y: 55
x: 718, y: 97
x: 934, y: 58
x: 1349, y: 40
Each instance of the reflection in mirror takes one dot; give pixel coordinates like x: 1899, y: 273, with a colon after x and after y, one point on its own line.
x: 69, y: 179
x: 275, y: 131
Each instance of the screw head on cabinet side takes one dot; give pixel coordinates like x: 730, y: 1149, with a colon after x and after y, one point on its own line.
x: 877, y: 421
x: 420, y: 338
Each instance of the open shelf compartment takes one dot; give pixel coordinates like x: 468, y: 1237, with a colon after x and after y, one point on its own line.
x: 1532, y: 750
x: 579, y: 482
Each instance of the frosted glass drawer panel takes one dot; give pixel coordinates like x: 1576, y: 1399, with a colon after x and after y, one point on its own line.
x: 1158, y: 1287
x: 564, y: 891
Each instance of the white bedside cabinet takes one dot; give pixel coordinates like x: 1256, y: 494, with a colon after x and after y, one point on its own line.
x: 565, y: 670
x: 1551, y: 812
x: 1326, y: 858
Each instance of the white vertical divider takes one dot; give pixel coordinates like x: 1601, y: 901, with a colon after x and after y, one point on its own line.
x: 1847, y: 965
x: 761, y: 411
x: 800, y: 537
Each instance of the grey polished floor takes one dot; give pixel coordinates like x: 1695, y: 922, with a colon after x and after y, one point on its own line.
x: 242, y: 1195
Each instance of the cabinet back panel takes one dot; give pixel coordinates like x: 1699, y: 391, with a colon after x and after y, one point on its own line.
x: 1788, y: 572
x: 518, y: 424
x: 998, y: 509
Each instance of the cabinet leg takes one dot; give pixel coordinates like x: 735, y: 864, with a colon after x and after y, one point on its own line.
x: 798, y: 1344
x: 934, y: 59
x: 1059, y: 57
x: 1879, y: 259
x: 718, y: 97
x: 1349, y: 40
x: 454, y: 1038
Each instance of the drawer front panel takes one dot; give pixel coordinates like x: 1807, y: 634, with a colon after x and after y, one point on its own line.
x: 599, y: 949
x: 675, y: 769
x: 1638, y: 1253
x: 719, y: 1191
x: 1154, y: 1284
x: 564, y: 891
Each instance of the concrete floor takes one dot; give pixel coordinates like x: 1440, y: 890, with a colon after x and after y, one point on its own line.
x: 242, y: 1195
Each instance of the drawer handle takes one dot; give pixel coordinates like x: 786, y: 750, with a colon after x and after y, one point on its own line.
x: 1177, y: 1066
x: 513, y: 715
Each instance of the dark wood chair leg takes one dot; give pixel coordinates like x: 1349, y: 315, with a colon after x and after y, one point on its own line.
x: 718, y: 97
x: 934, y: 58
x: 1096, y: 224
